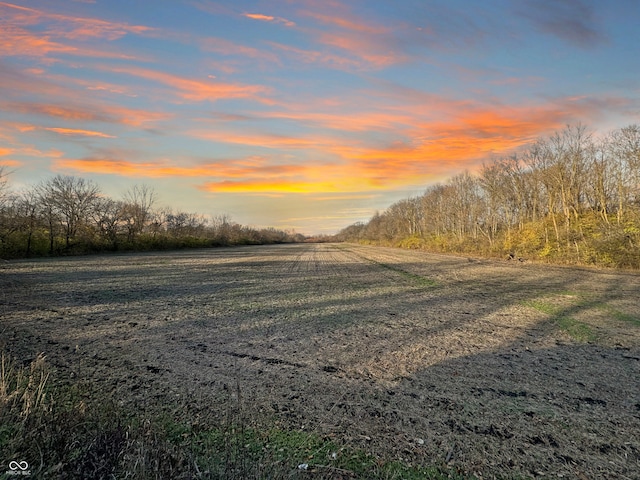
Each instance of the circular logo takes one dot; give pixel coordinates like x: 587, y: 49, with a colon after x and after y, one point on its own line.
x: 13, y: 465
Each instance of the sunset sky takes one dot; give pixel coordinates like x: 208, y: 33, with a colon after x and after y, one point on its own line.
x: 306, y: 115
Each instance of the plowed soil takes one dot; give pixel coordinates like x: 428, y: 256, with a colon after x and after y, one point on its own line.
x: 492, y: 367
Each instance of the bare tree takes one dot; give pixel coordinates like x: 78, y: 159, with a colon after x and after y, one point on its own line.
x: 139, y: 201
x: 222, y: 227
x: 600, y: 189
x: 625, y: 147
x: 109, y: 217
x: 28, y: 211
x: 3, y: 185
x: 68, y: 200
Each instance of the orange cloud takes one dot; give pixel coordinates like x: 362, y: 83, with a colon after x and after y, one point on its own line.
x: 124, y: 168
x: 195, y: 90
x: 75, y: 131
x: 37, y: 33
x: 252, y: 175
x: 399, y: 143
x: 433, y: 148
x: 271, y: 141
x: 15, y: 41
x: 254, y: 166
x: 16, y: 148
x: 265, y: 187
x: 373, y: 43
x: 135, y: 117
x: 7, y: 162
x: 351, y: 122
x: 121, y: 115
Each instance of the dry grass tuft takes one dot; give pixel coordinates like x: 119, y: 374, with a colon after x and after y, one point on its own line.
x: 23, y: 390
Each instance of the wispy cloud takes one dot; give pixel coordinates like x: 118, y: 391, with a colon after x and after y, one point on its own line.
x: 263, y: 140
x: 126, y: 168
x: 109, y: 88
x: 420, y: 151
x: 470, y: 136
x: 346, y: 21
x: 89, y: 113
x: 70, y: 27
x: 18, y: 150
x: 354, y: 121
x: 27, y: 127
x: 269, y: 18
x: 372, y: 43
x: 253, y: 167
x: 266, y: 187
x: 229, y: 48
x: 320, y: 57
x: 8, y: 162
x: 37, y: 33
x: 571, y: 20
x: 331, y: 100
x: 77, y: 132
x: 193, y: 89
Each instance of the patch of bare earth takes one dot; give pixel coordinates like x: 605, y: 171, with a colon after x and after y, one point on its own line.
x: 430, y: 359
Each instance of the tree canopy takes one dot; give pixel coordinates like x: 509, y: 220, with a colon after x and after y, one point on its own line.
x: 572, y: 197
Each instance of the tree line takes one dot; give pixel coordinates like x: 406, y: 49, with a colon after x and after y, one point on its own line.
x: 70, y: 215
x: 572, y: 197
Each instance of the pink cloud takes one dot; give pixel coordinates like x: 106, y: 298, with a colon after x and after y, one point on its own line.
x: 374, y: 44
x: 269, y: 18
x: 227, y: 47
x: 353, y: 24
x: 70, y: 27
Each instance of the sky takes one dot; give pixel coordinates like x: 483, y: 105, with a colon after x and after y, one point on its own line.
x: 308, y: 115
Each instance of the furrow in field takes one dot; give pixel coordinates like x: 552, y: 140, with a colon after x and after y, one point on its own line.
x: 346, y: 341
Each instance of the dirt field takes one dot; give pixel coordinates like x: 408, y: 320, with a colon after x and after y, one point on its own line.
x: 494, y: 367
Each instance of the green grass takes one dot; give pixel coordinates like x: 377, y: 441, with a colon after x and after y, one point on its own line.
x: 281, y: 454
x: 579, y: 331
x: 618, y: 315
x: 544, y: 307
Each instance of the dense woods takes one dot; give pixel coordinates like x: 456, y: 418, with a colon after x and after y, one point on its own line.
x: 70, y: 215
x: 573, y: 197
